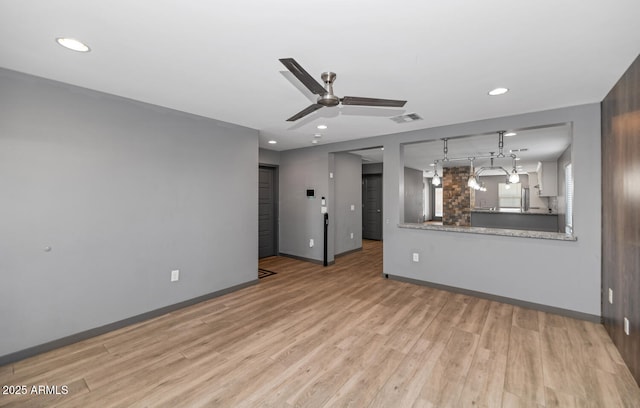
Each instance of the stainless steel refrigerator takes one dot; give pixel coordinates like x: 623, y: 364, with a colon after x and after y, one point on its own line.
x: 525, y: 199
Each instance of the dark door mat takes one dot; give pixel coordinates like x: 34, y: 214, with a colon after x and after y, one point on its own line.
x: 263, y: 273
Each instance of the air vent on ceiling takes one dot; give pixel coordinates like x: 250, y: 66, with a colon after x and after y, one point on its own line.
x: 409, y: 117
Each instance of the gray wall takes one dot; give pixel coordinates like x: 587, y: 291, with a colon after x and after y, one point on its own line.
x: 300, y: 217
x: 347, y: 193
x: 413, y: 195
x: 269, y: 157
x: 123, y: 192
x: 554, y: 273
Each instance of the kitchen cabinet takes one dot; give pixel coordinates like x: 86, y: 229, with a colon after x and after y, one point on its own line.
x: 519, y: 220
x: 548, y: 178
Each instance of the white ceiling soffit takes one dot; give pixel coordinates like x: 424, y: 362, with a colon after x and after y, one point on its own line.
x: 219, y: 59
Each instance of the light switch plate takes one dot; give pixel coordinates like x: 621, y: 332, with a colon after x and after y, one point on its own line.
x: 610, y: 296
x: 416, y: 257
x: 175, y: 275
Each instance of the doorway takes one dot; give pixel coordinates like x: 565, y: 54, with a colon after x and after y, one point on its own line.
x: 372, y: 206
x: 267, y: 211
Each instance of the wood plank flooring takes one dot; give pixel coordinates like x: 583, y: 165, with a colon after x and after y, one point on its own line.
x: 340, y: 336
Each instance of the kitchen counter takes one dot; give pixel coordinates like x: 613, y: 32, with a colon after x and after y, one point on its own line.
x: 493, y: 231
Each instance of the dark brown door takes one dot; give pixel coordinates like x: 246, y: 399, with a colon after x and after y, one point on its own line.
x: 372, y: 206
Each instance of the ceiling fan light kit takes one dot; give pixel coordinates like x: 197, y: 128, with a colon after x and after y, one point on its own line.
x: 326, y: 97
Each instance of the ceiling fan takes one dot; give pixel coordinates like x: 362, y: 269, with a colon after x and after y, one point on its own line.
x: 326, y: 96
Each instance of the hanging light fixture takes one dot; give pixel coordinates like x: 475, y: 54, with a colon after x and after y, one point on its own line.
x: 445, y: 150
x: 514, y: 177
x: 436, y: 179
x: 474, y: 176
x: 472, y: 181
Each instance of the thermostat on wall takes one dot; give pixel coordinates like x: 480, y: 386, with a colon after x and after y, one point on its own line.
x: 311, y: 193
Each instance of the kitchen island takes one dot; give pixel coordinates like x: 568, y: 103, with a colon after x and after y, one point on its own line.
x: 531, y: 220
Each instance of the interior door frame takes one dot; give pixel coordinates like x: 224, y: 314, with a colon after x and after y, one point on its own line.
x: 381, y: 210
x: 276, y: 218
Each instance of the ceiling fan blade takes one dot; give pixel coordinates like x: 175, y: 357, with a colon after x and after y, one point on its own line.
x: 309, y: 109
x: 356, y: 100
x: 303, y: 76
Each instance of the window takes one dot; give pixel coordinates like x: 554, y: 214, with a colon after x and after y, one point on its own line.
x: 568, y: 178
x: 426, y: 210
x: 509, y: 195
x: 437, y: 213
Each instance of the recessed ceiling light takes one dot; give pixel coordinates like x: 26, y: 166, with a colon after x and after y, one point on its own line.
x: 517, y: 158
x: 73, y: 44
x: 382, y: 148
x: 432, y: 164
x: 510, y: 134
x: 498, y: 91
x: 314, y: 141
x: 322, y: 126
x: 272, y: 142
x: 318, y: 135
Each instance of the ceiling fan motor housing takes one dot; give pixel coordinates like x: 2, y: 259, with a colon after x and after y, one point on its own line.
x: 328, y: 99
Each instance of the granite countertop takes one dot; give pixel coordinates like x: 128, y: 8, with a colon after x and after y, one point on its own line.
x: 558, y: 236
x: 512, y: 211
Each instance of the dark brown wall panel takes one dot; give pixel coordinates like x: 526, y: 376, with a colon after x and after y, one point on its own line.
x: 621, y: 214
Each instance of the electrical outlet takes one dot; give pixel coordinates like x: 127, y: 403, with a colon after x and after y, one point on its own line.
x: 416, y: 257
x: 353, y: 207
x: 610, y: 295
x: 351, y: 235
x: 175, y: 275
x: 626, y: 326
x: 311, y: 243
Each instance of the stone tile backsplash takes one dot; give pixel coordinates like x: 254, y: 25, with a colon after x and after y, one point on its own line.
x: 457, y: 197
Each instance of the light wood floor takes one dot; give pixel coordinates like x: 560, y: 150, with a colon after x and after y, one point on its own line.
x: 333, y: 337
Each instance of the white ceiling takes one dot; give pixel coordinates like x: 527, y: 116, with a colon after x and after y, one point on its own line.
x: 219, y: 59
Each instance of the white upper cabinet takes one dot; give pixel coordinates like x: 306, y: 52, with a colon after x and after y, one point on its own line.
x: 548, y: 178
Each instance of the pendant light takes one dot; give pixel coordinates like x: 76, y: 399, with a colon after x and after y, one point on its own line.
x: 472, y: 181
x: 436, y: 179
x: 514, y: 177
